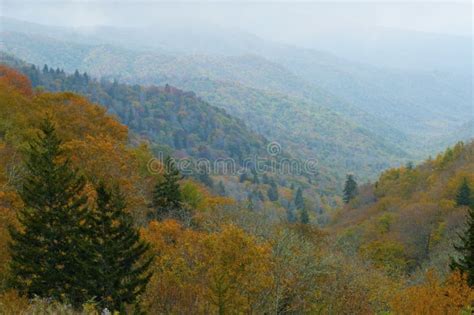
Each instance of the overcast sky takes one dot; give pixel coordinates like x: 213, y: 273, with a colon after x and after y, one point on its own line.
x: 283, y: 20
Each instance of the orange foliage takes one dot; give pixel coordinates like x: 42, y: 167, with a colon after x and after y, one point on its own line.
x: 434, y: 297
x: 14, y: 79
x: 75, y: 117
x: 104, y: 158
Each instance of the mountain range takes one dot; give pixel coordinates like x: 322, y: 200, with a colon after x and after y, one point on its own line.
x: 351, y: 116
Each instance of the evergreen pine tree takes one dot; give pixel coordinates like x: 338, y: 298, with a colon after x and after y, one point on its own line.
x: 45, y: 251
x: 119, y: 273
x: 465, y: 263
x: 167, y: 199
x: 463, y: 196
x: 250, y: 204
x: 304, y: 216
x: 350, y: 188
x: 290, y: 215
x: 272, y: 192
x: 255, y: 177
x: 299, y: 201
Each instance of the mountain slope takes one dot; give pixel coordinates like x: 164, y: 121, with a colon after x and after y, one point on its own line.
x: 176, y: 120
x: 420, y: 103
x: 410, y: 213
x: 398, y: 92
x: 324, y: 121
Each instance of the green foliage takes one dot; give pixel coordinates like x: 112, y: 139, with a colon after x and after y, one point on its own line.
x: 304, y: 216
x: 270, y: 100
x: 118, y: 274
x: 272, y: 191
x: 416, y: 208
x: 350, y: 188
x: 167, y: 199
x: 165, y: 115
x: 465, y: 250
x: 290, y: 215
x: 463, y: 196
x: 388, y: 255
x: 48, y: 248
x: 299, y: 201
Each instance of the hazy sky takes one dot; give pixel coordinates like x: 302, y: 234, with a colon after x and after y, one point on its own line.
x: 276, y: 20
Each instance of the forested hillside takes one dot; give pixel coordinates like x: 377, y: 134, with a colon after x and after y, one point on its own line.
x: 170, y: 121
x: 401, y: 95
x: 68, y: 169
x: 178, y: 121
x: 409, y: 219
x: 419, y: 103
x: 238, y: 84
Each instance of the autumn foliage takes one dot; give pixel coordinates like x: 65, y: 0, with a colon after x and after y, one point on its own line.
x: 433, y: 297
x: 229, y: 258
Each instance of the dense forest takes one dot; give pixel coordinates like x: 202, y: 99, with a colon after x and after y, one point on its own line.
x: 177, y: 120
x: 308, y: 121
x: 130, y: 240
x: 179, y: 130
x: 350, y: 188
x: 409, y: 219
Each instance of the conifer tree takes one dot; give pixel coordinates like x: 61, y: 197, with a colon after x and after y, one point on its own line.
x: 304, y: 216
x: 119, y: 273
x: 167, y: 197
x: 350, y: 188
x: 45, y: 251
x: 290, y: 215
x: 255, y: 177
x: 250, y: 204
x: 465, y: 262
x: 299, y: 201
x: 463, y: 196
x: 272, y: 192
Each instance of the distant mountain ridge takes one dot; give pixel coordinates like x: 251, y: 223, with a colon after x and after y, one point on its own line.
x: 333, y: 99
x: 401, y: 99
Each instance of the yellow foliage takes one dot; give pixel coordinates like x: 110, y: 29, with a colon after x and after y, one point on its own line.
x: 387, y: 255
x: 197, y: 272
x: 455, y: 182
x: 12, y: 303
